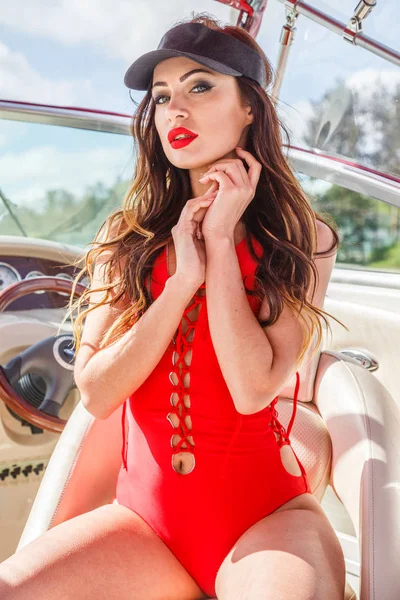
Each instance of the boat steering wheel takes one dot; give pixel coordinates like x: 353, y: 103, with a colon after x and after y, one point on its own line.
x: 52, y: 359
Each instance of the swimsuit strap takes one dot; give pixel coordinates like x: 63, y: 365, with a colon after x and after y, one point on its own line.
x: 277, y: 427
x: 124, y: 440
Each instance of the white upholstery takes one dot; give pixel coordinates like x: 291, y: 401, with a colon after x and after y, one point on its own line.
x: 81, y: 473
x: 348, y: 434
x: 311, y: 442
x: 375, y: 329
x: 363, y: 422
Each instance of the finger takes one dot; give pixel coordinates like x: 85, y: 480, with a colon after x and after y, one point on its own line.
x: 255, y: 166
x: 243, y: 172
x: 204, y: 202
x: 230, y: 165
x: 213, y: 188
x: 200, y: 214
x: 233, y: 171
x: 199, y: 210
x: 207, y: 194
x: 225, y: 183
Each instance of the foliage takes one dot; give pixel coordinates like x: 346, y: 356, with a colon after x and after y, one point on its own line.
x: 63, y: 217
x: 365, y: 127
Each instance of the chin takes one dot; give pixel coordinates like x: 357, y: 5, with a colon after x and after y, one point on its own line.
x: 192, y: 160
x: 188, y: 164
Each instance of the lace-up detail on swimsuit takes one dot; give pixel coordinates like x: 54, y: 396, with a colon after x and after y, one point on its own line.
x: 182, y: 442
x: 282, y: 434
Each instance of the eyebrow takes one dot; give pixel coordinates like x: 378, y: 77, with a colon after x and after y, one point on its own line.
x: 185, y: 76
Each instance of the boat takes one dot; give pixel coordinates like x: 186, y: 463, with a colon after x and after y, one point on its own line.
x: 54, y: 463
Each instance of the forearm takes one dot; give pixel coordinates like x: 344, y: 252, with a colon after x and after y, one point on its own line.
x: 113, y: 373
x: 242, y: 348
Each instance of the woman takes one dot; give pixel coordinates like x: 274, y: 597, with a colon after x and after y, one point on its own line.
x: 215, y: 238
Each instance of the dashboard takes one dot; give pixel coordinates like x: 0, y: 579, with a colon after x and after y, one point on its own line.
x: 17, y: 268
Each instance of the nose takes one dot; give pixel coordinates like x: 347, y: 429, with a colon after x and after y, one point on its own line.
x: 176, y: 108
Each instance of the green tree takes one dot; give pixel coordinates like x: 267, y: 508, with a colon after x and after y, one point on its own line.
x: 344, y: 123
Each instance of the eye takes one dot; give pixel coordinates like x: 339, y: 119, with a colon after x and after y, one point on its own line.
x: 204, y: 85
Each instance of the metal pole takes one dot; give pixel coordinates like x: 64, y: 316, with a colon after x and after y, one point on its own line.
x: 350, y: 32
x: 285, y: 41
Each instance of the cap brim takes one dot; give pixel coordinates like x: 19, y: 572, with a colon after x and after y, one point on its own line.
x: 139, y: 74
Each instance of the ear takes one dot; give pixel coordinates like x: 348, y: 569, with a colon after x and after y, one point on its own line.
x: 250, y: 115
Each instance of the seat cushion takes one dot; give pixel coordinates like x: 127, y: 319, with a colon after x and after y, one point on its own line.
x: 310, y: 441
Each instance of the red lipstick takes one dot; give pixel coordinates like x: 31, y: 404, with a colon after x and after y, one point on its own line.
x: 183, y: 141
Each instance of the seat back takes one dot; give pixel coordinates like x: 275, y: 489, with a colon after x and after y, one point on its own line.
x: 81, y: 474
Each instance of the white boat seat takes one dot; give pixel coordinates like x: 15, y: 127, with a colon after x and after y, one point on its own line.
x: 346, y: 433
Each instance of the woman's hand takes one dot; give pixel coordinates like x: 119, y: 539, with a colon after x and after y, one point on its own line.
x: 236, y: 190
x: 188, y: 241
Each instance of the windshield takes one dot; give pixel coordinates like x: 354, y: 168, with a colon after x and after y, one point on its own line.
x: 60, y: 183
x: 337, y: 97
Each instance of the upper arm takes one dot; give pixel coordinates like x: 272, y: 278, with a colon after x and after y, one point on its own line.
x: 287, y: 334
x: 101, y: 318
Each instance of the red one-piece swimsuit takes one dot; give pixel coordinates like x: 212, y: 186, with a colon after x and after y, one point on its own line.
x: 237, y: 476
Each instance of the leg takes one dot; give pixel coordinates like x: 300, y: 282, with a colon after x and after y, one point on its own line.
x: 109, y: 552
x: 291, y: 553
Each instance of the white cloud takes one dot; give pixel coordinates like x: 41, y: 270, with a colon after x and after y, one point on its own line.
x: 314, y: 187
x: 26, y: 176
x: 295, y: 116
x: 365, y: 82
x: 19, y: 80
x: 122, y: 29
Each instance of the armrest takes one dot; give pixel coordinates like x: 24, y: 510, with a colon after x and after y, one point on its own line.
x: 363, y: 421
x: 81, y: 474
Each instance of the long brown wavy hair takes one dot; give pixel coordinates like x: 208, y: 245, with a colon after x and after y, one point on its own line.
x: 279, y: 217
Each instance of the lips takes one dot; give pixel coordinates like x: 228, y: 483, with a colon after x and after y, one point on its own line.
x: 182, y: 142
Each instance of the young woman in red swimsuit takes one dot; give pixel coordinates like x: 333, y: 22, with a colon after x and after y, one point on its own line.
x: 207, y: 308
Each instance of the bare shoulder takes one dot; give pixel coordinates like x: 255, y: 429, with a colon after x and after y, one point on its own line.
x: 325, y: 239
x: 324, y: 265
x: 99, y: 320
x: 286, y: 335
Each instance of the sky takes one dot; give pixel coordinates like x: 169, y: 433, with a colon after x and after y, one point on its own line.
x: 76, y: 52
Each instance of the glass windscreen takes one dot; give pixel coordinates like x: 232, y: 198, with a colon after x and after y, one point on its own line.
x: 369, y: 229
x: 337, y: 97
x: 60, y: 183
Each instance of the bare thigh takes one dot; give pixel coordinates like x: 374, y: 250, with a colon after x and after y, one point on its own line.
x: 292, y: 553
x: 109, y: 552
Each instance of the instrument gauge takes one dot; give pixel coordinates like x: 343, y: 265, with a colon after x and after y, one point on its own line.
x: 32, y: 275
x: 8, y: 275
